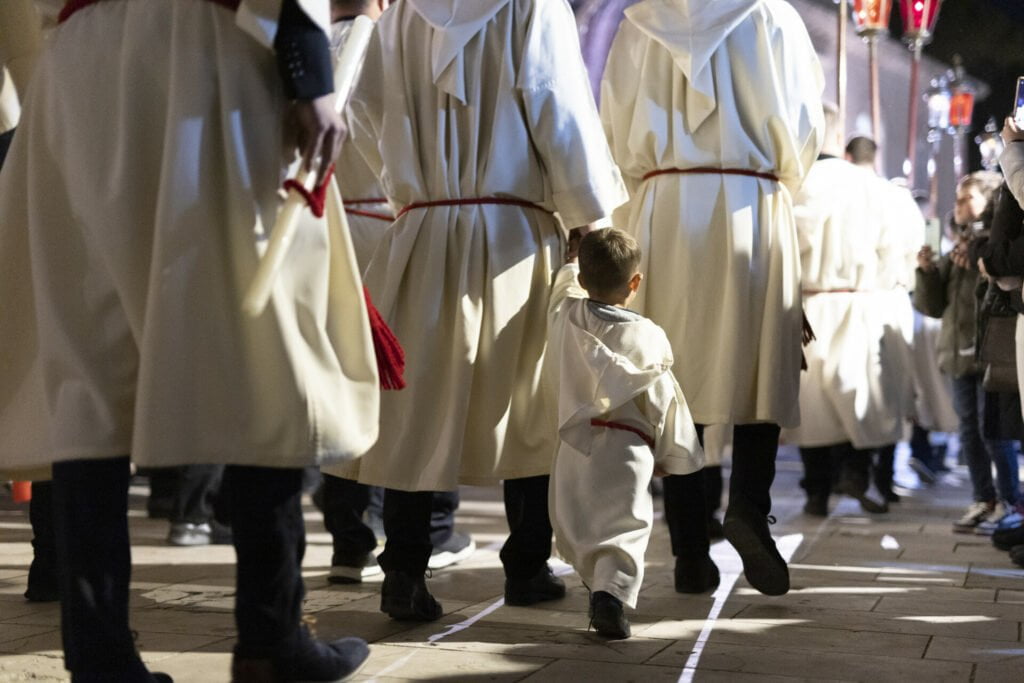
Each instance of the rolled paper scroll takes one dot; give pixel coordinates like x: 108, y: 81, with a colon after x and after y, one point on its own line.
x: 283, y: 234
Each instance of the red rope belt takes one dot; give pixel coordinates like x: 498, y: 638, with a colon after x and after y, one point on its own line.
x: 708, y: 170
x: 72, y: 6
x: 472, y: 201
x: 350, y: 205
x: 625, y: 428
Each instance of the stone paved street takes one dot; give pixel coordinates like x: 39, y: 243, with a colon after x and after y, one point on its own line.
x: 894, y: 597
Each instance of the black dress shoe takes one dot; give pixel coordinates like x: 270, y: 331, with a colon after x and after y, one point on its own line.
x: 746, y: 528
x: 541, y: 587
x: 816, y: 505
x: 1017, y: 555
x: 1005, y: 539
x: 867, y: 504
x: 606, y: 616
x: 311, y: 660
x: 696, y: 575
x: 405, y: 597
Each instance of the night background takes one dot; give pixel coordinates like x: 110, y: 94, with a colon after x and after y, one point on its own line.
x: 989, y: 36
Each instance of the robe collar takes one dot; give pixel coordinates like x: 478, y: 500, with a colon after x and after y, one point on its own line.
x: 455, y: 23
x: 692, y: 30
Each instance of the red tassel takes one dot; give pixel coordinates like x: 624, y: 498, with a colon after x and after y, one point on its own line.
x: 21, y: 491
x: 390, y: 356
x: 315, y: 198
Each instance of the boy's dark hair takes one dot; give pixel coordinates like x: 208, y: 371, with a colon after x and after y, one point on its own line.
x: 608, y: 259
x: 862, y: 150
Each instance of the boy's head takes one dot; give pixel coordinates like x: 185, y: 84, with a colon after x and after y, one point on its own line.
x: 609, y: 266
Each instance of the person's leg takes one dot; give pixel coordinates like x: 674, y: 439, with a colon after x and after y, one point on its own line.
x: 269, y: 537
x: 344, y: 502
x: 1004, y: 457
x: 713, y: 484
x: 90, y: 515
x: 746, y: 520
x: 194, y: 496
x: 42, y: 573
x: 685, y: 500
x: 883, y: 473
x: 162, y: 484
x: 855, y: 477
x: 450, y: 545
x: 817, y: 480
x: 967, y: 400
x: 528, y: 579
x: 404, y: 595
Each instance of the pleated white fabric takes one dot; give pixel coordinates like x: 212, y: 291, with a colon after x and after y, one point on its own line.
x: 444, y: 112
x: 730, y: 84
x: 132, y: 213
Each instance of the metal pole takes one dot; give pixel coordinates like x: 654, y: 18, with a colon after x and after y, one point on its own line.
x: 915, y: 70
x: 935, y: 137
x: 844, y: 14
x: 876, y: 106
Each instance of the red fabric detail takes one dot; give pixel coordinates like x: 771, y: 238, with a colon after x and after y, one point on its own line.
x: 625, y: 428
x: 72, y: 6
x: 390, y: 356
x: 708, y: 170
x: 472, y: 201
x: 315, y: 198
x: 370, y: 214
x: 370, y: 200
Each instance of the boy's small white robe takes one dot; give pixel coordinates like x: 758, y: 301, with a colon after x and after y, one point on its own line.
x: 121, y: 293
x: 614, y: 365
x: 468, y: 100
x: 730, y: 84
x: 855, y: 385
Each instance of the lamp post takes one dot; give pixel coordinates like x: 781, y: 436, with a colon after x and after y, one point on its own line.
x: 871, y: 18
x: 937, y: 98
x: 990, y: 144
x: 919, y: 17
x: 961, y: 110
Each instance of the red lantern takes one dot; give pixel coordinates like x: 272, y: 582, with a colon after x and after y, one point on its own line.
x: 871, y: 17
x: 919, y: 17
x: 961, y: 108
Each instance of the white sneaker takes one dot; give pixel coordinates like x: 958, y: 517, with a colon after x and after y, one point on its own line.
x: 976, y: 513
x: 185, y: 534
x: 991, y: 522
x: 457, y: 548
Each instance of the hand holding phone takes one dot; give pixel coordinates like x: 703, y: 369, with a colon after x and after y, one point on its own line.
x: 1018, y: 104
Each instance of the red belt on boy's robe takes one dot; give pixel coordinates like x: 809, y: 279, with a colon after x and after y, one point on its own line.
x: 72, y: 6
x: 351, y: 204
x: 472, y: 201
x: 710, y: 170
x: 624, y: 428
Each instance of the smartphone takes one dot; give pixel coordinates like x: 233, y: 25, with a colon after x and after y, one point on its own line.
x: 933, y: 235
x: 1018, y: 104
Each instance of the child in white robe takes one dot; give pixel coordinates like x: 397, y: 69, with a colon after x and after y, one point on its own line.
x: 621, y: 418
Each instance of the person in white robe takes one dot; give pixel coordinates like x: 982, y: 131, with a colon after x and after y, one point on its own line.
x: 479, y: 121
x: 844, y: 414
x: 621, y: 416
x: 133, y: 206
x: 713, y: 111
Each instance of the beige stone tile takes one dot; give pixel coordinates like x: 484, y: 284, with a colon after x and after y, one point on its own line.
x: 1010, y: 596
x: 912, y: 606
x: 998, y: 672
x: 555, y: 644
x: 10, y: 634
x: 967, y: 626
x: 197, y: 667
x: 34, y: 668
x: 995, y: 577
x: 737, y: 677
x: 563, y: 670
x: 797, y: 662
x: 32, y: 613
x: 824, y: 597
x: 978, y: 651
x: 389, y: 662
x: 363, y: 619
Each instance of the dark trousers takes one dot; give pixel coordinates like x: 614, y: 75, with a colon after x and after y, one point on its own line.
x: 195, y: 493
x: 826, y: 466
x: 42, y: 573
x: 753, y: 471
x: 345, y: 502
x: 883, y: 470
x: 90, y: 500
x: 407, y: 525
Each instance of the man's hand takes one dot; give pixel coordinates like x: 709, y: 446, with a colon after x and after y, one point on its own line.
x: 983, y: 270
x: 926, y: 259
x: 1011, y: 131
x: 576, y: 236
x: 959, y: 256
x: 660, y: 471
x: 318, y: 131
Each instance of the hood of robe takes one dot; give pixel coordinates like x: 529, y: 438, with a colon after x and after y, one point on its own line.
x: 691, y: 30
x: 455, y: 23
x: 606, y: 378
